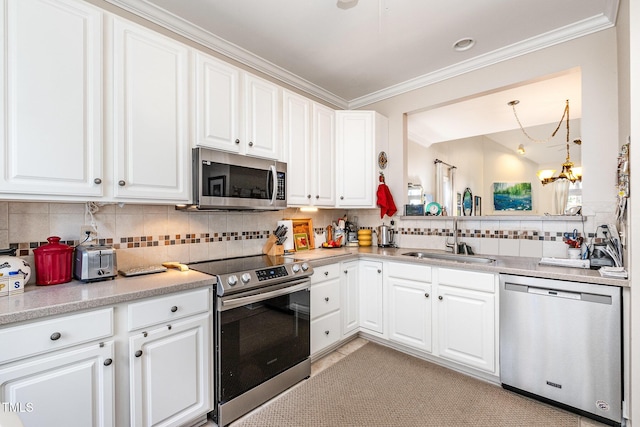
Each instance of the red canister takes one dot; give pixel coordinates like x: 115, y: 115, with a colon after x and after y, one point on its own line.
x: 53, y: 262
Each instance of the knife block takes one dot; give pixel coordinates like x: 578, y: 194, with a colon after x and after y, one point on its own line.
x: 271, y: 248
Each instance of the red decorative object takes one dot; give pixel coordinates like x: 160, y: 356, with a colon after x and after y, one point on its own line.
x: 53, y: 262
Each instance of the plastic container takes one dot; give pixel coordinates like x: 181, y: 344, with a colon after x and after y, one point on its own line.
x: 53, y: 262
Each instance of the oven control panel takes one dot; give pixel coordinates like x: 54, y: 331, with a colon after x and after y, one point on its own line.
x: 271, y: 273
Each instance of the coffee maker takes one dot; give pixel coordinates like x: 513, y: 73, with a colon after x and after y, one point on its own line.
x: 351, y: 229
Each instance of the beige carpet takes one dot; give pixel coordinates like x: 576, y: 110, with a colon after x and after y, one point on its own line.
x: 378, y: 386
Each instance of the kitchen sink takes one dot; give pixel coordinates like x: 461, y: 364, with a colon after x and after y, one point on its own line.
x: 450, y: 257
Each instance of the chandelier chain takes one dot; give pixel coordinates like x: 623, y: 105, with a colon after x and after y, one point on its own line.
x: 542, y: 141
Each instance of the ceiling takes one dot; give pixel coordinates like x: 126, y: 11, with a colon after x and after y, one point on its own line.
x: 540, y: 109
x: 355, y: 52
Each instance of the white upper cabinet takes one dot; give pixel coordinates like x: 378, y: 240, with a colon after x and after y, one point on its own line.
x: 217, y: 104
x: 236, y: 111
x: 151, y: 115
x: 309, y: 135
x: 361, y: 136
x: 262, y: 117
x: 51, y: 92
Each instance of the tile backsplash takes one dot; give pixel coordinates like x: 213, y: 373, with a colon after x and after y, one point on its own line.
x: 151, y: 234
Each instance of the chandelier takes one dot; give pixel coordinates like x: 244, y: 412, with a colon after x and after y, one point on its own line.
x: 568, y: 171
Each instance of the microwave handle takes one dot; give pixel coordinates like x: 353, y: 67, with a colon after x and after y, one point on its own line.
x: 274, y: 178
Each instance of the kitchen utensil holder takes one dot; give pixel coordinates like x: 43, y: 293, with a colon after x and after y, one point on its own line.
x: 271, y: 248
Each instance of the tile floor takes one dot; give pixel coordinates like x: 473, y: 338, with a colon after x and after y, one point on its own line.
x: 349, y: 348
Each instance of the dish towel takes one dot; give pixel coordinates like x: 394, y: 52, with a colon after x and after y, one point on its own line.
x: 385, y: 201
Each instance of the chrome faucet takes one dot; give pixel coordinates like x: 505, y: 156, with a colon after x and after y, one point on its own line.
x: 454, y: 246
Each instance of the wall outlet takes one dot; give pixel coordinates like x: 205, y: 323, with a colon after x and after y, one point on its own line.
x: 87, y: 234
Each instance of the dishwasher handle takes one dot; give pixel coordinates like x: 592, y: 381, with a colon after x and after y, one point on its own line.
x: 554, y: 293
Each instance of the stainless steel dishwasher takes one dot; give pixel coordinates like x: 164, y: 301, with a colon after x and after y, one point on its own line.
x: 561, y: 342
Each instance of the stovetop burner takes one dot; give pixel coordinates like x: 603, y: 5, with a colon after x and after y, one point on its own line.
x: 245, y: 273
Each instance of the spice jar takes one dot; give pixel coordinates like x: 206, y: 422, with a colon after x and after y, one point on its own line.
x: 53, y: 262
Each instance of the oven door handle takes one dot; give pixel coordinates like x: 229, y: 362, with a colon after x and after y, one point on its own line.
x: 240, y: 301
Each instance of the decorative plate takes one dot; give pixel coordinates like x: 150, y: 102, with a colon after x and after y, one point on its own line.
x: 382, y: 160
x: 434, y: 208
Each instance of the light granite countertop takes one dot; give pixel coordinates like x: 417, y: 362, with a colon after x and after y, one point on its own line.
x: 41, y: 301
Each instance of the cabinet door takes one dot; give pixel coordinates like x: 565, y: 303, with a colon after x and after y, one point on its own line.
x: 170, y: 372
x: 466, y: 327
x: 410, y: 313
x: 354, y: 159
x: 151, y: 83
x: 73, y: 388
x: 371, y: 302
x: 217, y: 104
x: 262, y: 118
x: 296, y: 115
x: 322, y: 164
x: 350, y: 302
x: 51, y: 103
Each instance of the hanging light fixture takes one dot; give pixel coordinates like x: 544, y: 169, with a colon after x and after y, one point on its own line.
x: 568, y: 171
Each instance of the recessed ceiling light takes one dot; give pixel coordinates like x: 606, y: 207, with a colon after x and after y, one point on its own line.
x: 464, y: 44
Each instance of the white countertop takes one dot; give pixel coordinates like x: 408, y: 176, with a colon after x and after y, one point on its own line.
x: 41, y: 301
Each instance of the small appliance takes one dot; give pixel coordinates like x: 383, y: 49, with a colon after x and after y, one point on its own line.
x: 95, y: 262
x: 226, y: 181
x: 386, y: 235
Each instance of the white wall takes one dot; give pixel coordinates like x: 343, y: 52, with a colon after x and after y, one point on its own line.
x: 594, y: 54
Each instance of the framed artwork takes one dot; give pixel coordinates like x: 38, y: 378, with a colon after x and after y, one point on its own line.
x: 303, y: 225
x: 477, y: 206
x: 459, y: 204
x: 467, y: 202
x: 302, y: 241
x: 509, y: 196
x: 217, y: 185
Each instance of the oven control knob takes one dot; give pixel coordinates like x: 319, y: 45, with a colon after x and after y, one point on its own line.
x: 232, y: 280
x: 246, y: 277
x: 295, y: 268
x: 305, y: 266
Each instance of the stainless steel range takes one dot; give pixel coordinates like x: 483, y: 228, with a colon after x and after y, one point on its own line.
x: 262, y: 330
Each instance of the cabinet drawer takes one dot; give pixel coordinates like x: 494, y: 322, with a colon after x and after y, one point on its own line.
x: 484, y: 282
x: 414, y: 272
x: 167, y: 308
x: 325, y: 298
x: 326, y: 272
x: 325, y: 331
x: 53, y: 334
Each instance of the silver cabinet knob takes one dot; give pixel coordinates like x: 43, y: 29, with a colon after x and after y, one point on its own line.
x: 317, y: 196
x: 326, y: 299
x: 326, y: 273
x: 440, y: 298
x: 326, y: 332
x: 122, y: 183
x: 237, y: 141
x: 308, y: 196
x: 174, y: 309
x: 341, y: 197
x: 107, y: 362
x: 346, y: 271
x: 97, y: 181
x: 250, y: 144
x: 426, y: 295
x: 379, y: 271
x: 55, y: 336
x: 138, y: 353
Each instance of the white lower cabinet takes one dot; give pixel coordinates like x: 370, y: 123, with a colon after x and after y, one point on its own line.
x: 371, y: 296
x: 325, y: 307
x: 350, y: 286
x: 170, y: 366
x: 56, y: 372
x: 466, y: 318
x: 410, y: 299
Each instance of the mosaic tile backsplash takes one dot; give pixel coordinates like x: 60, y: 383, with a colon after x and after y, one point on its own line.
x: 150, y: 234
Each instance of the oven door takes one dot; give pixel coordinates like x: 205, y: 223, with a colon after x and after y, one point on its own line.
x: 261, y: 335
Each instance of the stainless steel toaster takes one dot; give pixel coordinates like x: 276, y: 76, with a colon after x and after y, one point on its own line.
x: 95, y: 262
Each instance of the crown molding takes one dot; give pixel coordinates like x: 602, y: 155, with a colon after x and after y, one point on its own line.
x: 186, y: 29
x: 209, y: 40
x: 561, y: 35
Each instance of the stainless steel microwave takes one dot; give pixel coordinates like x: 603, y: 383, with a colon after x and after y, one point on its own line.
x: 227, y: 181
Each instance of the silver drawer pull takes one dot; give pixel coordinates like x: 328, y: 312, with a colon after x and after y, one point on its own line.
x: 55, y: 336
